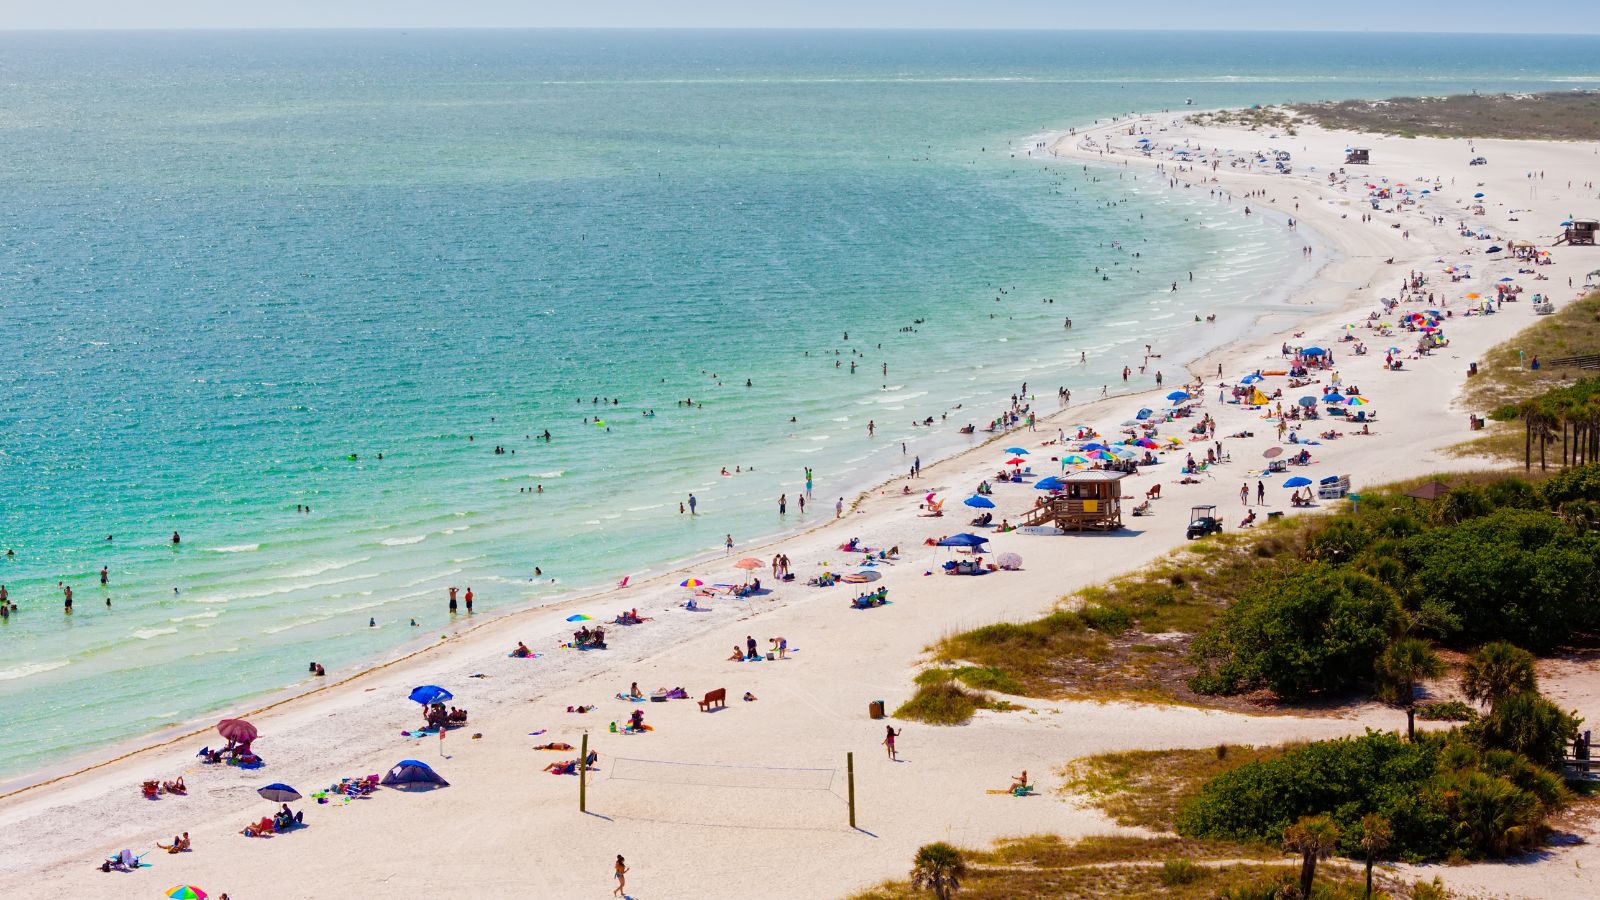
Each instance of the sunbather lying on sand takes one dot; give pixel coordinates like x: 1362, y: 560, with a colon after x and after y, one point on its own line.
x: 175, y: 787
x: 554, y: 745
x: 180, y: 843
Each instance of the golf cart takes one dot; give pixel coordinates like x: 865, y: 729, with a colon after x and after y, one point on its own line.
x: 1203, y: 521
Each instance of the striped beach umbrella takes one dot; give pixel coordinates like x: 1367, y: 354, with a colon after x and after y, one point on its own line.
x: 186, y: 892
x: 692, y: 583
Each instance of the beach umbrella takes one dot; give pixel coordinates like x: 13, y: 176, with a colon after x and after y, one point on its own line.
x: 691, y: 583
x: 1333, y: 398
x: 1478, y: 195
x: 1508, y: 278
x: 1297, y: 481
x: 430, y: 693
x: 1094, y: 446
x: 964, y: 539
x: 1050, y: 484
x: 186, y: 892
x: 1015, y: 461
x: 749, y: 563
x: 1252, y: 378
x: 1101, y: 455
x: 1122, y: 453
x: 411, y: 774
x: 278, y: 793
x: 237, y: 730
x: 1147, y: 444
x: 580, y: 617
x: 1356, y: 400
x: 1073, y: 460
x: 979, y: 502
x: 1312, y: 351
x: 1178, y: 395
x: 1008, y: 560
x: 1307, y: 401
x: 1272, y: 452
x: 1016, y: 451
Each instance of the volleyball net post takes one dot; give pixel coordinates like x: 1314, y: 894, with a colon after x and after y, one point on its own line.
x: 583, y: 774
x: 850, y: 781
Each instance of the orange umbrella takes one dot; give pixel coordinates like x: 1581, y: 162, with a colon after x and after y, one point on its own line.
x: 749, y: 563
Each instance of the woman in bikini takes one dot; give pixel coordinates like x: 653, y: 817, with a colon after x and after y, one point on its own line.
x: 622, y: 870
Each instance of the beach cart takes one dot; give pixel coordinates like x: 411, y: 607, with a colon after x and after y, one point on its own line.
x: 1203, y: 521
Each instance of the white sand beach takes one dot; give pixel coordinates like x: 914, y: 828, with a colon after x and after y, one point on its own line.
x: 752, y: 813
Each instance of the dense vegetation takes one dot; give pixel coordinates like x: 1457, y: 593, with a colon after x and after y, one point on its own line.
x: 1504, y: 561
x: 1557, y: 115
x: 1441, y: 797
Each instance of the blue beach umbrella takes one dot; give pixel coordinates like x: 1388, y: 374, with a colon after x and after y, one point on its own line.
x: 1094, y: 446
x: 430, y: 693
x: 412, y: 774
x: 1312, y: 351
x: 1050, y: 484
x: 1297, y: 481
x: 1252, y: 378
x: 1178, y: 395
x: 279, y: 793
x: 1333, y: 398
x: 979, y: 502
x: 963, y: 539
x: 1478, y: 195
x: 1016, y: 451
x: 1307, y: 401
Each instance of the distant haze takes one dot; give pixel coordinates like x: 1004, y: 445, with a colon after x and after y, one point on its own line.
x: 1421, y: 16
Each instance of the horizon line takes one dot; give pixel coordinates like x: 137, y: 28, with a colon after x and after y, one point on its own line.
x: 775, y: 28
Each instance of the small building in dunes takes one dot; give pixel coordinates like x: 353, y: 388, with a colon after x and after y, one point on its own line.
x: 1358, y: 155
x: 1580, y: 232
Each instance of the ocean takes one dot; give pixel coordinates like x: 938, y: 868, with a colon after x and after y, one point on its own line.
x: 236, y: 267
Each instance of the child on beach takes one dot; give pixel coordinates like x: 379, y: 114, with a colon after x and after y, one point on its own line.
x: 888, y: 740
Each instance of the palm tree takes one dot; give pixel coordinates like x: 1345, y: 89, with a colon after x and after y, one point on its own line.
x: 939, y: 868
x: 1375, y: 837
x: 1496, y: 671
x: 1313, y: 837
x: 1406, y: 662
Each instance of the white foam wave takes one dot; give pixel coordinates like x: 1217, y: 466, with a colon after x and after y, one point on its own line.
x: 145, y: 634
x: 402, y: 542
x: 204, y: 615
x: 237, y: 548
x: 26, y: 669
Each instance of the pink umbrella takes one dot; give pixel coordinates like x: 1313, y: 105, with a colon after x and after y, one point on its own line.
x: 237, y: 730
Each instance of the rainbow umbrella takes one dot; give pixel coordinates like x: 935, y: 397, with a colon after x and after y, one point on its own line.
x: 1073, y: 460
x: 580, y: 617
x: 1355, y: 400
x: 1147, y: 444
x: 1100, y: 455
x: 692, y: 583
x: 186, y: 892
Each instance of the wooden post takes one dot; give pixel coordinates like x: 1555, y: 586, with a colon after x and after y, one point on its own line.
x: 850, y: 779
x: 583, y: 774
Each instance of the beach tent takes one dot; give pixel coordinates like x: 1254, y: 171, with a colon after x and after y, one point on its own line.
x: 964, y: 540
x: 1433, y: 490
x: 411, y: 774
x: 430, y: 693
x: 1259, y: 399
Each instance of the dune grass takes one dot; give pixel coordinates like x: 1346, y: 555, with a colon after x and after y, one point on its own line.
x: 1144, y: 788
x: 1555, y: 116
x: 1120, y: 866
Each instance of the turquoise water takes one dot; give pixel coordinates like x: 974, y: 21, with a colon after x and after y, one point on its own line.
x: 229, y: 261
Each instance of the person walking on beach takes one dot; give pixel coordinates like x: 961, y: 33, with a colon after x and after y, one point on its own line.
x: 622, y: 882
x: 453, y: 599
x: 728, y: 543
x: 1244, y: 494
x: 838, y: 509
x: 888, y: 740
x: 692, y: 504
x: 916, y: 466
x: 1261, y: 493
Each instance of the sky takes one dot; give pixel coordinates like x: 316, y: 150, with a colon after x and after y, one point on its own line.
x: 1473, y: 16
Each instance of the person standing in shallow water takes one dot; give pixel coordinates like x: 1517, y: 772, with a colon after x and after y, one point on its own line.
x: 453, y: 599
x: 469, y: 599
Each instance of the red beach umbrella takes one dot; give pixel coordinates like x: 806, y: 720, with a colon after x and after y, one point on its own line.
x: 237, y: 730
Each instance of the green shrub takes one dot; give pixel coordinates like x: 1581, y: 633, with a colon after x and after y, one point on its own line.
x: 988, y: 678
x: 1175, y: 872
x: 1442, y: 797
x: 1527, y: 724
x: 944, y: 703
x: 1446, y: 711
x: 1299, y: 632
x: 1109, y: 619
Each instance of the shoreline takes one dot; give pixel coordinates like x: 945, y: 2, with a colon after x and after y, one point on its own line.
x: 877, y: 661
x: 133, y: 746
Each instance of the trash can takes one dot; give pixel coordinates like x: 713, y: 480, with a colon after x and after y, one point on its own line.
x: 1472, y: 369
x: 875, y: 709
